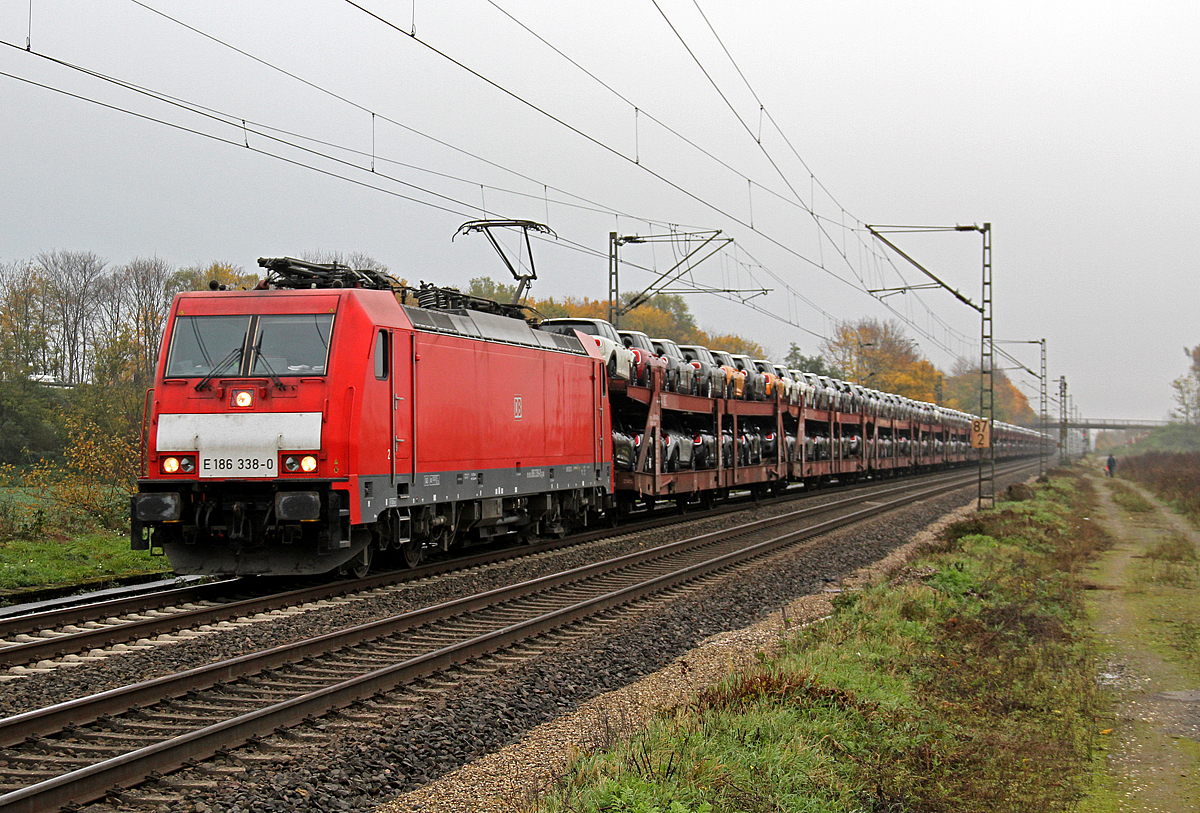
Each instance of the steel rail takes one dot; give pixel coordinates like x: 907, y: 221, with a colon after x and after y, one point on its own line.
x: 51, y: 719
x: 128, y: 769
x: 107, y: 608
x: 57, y: 645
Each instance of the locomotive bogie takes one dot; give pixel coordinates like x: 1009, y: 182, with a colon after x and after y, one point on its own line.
x: 256, y: 529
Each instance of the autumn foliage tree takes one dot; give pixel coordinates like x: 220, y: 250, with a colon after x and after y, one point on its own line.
x: 1009, y: 403
x: 879, y: 355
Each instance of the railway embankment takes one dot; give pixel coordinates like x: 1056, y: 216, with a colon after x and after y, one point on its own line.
x: 400, y: 741
x: 1002, y: 661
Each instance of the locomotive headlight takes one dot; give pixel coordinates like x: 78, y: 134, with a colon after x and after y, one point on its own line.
x: 177, y: 464
x: 302, y: 463
x: 242, y: 399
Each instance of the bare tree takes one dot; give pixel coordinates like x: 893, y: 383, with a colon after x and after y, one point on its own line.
x: 1187, y: 396
x: 73, y: 281
x: 148, y: 284
x: 111, y: 311
x: 354, y: 259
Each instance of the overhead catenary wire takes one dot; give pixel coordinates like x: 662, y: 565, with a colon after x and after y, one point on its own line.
x: 813, y: 180
x: 245, y: 127
x: 819, y: 263
x: 376, y: 114
x: 471, y: 210
x: 613, y: 151
x: 262, y: 130
x: 473, y: 155
x: 232, y: 142
x: 635, y: 160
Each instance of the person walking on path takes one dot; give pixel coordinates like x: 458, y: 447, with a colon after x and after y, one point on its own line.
x: 1110, y: 465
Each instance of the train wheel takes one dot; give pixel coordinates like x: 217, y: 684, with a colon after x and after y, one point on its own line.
x: 360, y: 565
x: 708, y: 499
x: 412, y: 552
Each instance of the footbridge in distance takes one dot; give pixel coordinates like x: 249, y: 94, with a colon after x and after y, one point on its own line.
x: 1108, y: 423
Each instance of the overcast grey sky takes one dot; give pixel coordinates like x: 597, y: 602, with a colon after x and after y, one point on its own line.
x: 1069, y: 126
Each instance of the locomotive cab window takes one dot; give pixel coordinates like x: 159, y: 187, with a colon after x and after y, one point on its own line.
x: 293, y: 344
x: 250, y: 345
x: 381, y: 355
x: 207, y: 345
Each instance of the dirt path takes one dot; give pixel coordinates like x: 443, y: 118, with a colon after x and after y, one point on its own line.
x: 1154, y: 755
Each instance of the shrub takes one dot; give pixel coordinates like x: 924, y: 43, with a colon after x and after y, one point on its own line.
x: 1173, y: 476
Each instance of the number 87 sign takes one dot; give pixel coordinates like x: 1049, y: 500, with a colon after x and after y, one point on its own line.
x: 981, y: 433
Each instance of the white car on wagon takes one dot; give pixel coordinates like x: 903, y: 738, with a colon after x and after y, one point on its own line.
x: 618, y: 359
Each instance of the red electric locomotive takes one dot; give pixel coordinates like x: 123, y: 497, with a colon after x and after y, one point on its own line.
x: 306, y: 425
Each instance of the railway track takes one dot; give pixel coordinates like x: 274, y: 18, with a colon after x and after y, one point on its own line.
x: 82, y: 749
x: 71, y: 632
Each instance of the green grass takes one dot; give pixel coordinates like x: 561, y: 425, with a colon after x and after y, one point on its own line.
x: 1168, y: 575
x: 1128, y: 499
x: 90, y: 557
x: 1169, y: 563
x: 53, y: 543
x: 968, y: 689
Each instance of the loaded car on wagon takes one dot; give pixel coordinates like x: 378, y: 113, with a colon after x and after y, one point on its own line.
x: 618, y: 358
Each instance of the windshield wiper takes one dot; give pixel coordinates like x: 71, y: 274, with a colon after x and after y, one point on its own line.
x: 235, y: 353
x: 259, y: 357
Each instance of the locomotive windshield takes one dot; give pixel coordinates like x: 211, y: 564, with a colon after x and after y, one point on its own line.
x: 250, y: 345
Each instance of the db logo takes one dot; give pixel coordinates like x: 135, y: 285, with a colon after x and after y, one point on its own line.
x: 516, y: 407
